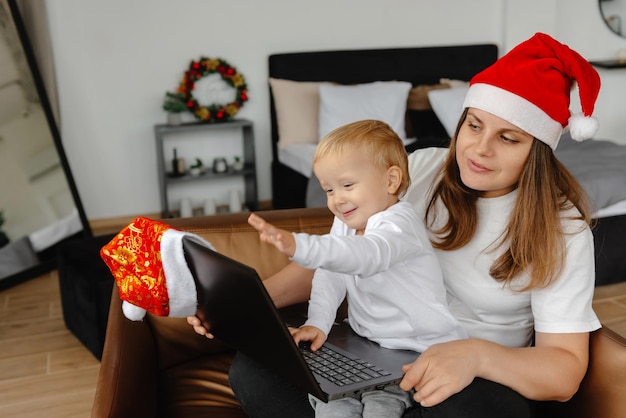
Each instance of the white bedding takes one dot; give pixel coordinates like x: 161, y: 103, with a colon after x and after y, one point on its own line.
x: 615, y: 209
x: 50, y: 235
x: 298, y: 157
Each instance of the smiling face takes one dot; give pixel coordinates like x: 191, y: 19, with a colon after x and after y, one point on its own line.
x: 355, y: 188
x: 491, y: 153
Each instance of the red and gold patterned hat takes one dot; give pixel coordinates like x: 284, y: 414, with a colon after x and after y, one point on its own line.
x: 147, y: 261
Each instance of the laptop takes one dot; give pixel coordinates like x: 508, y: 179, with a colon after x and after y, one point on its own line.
x: 235, y: 306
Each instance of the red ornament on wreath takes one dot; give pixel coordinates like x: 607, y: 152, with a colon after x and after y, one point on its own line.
x: 225, y: 89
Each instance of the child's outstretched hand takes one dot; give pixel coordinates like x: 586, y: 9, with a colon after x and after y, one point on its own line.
x: 308, y: 333
x: 280, y: 238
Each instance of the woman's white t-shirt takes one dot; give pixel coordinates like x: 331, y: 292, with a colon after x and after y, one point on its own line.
x: 494, y: 311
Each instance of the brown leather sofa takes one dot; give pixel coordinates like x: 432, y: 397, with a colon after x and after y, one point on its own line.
x: 160, y: 367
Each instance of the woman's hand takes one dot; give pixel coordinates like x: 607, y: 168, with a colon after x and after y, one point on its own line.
x: 309, y: 333
x: 195, y: 322
x: 552, y: 369
x: 441, y: 371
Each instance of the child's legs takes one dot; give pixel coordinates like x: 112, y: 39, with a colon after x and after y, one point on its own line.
x: 389, y: 402
x: 340, y: 408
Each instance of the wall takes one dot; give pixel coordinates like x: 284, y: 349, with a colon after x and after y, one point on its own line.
x: 596, y: 41
x: 115, y: 60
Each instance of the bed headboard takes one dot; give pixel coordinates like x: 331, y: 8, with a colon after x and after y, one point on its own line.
x: 420, y: 65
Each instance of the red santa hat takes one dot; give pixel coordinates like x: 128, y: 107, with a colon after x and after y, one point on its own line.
x: 530, y: 88
x: 148, y: 263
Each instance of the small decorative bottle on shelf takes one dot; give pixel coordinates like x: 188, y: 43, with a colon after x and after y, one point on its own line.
x: 234, y: 203
x: 186, y: 209
x: 210, y: 207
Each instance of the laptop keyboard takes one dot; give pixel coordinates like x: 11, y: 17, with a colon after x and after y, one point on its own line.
x: 338, y: 368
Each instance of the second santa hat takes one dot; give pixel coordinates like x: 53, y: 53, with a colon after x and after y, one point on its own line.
x: 530, y: 88
x: 147, y: 260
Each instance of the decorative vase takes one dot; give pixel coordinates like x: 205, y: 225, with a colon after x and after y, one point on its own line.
x: 174, y: 118
x: 237, y: 164
x: 220, y: 165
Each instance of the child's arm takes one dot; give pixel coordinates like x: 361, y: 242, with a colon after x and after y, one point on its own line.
x: 280, y: 238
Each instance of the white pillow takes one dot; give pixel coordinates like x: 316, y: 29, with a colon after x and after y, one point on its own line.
x: 381, y: 100
x: 448, y: 106
x: 297, y: 107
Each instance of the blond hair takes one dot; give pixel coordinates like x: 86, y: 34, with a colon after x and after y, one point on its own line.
x: 376, y: 138
x: 534, y: 234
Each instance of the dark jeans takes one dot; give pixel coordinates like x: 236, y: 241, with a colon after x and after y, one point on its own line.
x: 263, y: 394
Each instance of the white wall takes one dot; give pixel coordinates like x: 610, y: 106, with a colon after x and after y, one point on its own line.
x: 594, y: 40
x: 115, y: 60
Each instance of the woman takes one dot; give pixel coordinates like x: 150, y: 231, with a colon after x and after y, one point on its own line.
x: 510, y: 228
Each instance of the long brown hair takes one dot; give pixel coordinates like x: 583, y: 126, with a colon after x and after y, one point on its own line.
x: 545, y: 189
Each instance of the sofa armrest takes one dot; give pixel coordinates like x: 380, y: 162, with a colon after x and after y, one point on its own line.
x: 601, y: 393
x: 128, y: 366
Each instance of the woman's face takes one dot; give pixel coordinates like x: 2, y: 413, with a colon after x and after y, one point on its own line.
x: 491, y: 153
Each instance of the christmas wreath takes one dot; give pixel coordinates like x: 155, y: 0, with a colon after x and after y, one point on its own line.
x: 214, y: 112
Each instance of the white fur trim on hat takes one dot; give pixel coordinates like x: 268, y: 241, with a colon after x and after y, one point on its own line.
x: 515, y: 110
x: 181, y: 287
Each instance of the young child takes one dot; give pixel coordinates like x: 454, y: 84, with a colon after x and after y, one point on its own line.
x: 377, y: 254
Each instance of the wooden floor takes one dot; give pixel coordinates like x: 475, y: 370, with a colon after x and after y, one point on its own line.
x: 46, y: 372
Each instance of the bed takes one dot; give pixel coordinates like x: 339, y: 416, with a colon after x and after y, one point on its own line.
x: 419, y: 66
x: 425, y: 86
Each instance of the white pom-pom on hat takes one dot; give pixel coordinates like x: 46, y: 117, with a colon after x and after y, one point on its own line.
x: 132, y: 312
x: 582, y: 127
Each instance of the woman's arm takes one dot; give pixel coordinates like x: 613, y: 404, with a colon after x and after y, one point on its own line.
x: 290, y: 285
x: 551, y: 370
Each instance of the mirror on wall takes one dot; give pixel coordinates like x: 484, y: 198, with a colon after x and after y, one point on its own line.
x: 39, y: 204
x: 614, y: 15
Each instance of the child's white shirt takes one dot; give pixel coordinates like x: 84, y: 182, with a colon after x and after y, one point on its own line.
x: 390, y: 275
